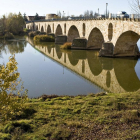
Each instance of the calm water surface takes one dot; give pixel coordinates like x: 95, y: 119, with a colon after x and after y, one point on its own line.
x: 45, y: 69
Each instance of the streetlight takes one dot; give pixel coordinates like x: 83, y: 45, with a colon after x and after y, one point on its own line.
x: 63, y: 14
x: 106, y: 9
x: 98, y: 11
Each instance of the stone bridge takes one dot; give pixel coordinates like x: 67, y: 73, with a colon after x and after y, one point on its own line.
x: 113, y: 75
x: 117, y: 37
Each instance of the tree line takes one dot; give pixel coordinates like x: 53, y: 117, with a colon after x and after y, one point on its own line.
x: 12, y: 23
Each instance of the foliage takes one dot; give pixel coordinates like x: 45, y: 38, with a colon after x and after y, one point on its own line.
x: 33, y: 33
x: 13, y: 23
x: 25, y: 17
x: 36, y: 17
x: 11, y: 99
x: 67, y: 45
x: 42, y: 33
x: 59, y: 14
x: 44, y: 38
x: 3, y: 24
x: 9, y: 35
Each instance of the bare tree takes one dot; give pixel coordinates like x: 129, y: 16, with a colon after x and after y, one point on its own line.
x: 86, y: 13
x: 91, y: 14
x: 135, y: 6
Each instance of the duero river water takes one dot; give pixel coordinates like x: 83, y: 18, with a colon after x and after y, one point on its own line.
x: 46, y: 69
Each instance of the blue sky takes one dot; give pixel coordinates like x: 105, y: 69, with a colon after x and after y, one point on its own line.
x: 71, y: 7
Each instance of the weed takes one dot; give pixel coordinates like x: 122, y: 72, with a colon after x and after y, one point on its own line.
x: 67, y: 45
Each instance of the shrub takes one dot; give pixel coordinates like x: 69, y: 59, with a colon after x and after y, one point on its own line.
x: 44, y: 38
x: 67, y: 45
x: 9, y: 35
x: 11, y: 105
x: 42, y: 33
x: 26, y: 30
x: 33, y: 33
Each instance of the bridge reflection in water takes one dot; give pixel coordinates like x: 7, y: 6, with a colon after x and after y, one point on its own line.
x: 113, y: 75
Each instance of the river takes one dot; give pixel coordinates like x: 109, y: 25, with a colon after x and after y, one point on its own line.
x: 46, y: 69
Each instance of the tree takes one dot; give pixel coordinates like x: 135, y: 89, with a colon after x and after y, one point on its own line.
x: 25, y: 17
x: 15, y: 23
x: 36, y: 17
x: 86, y: 13
x: 91, y: 14
x: 3, y: 24
x: 11, y: 104
x: 135, y: 6
x: 80, y: 15
x: 96, y: 15
x: 59, y: 14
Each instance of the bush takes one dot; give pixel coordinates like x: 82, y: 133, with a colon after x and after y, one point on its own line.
x: 42, y: 33
x: 11, y: 105
x: 67, y: 45
x: 33, y: 33
x: 9, y: 35
x: 26, y: 30
x: 44, y: 38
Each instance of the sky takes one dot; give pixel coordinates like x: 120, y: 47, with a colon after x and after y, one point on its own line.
x: 70, y: 7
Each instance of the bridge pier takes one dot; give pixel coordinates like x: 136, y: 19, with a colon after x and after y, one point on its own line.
x: 61, y: 39
x: 79, y: 43
x: 107, y: 49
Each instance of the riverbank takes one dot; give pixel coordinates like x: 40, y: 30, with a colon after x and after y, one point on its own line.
x: 100, y: 116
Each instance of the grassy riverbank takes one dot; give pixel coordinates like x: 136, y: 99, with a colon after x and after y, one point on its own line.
x: 93, y: 117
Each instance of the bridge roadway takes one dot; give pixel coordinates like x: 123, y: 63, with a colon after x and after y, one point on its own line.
x: 122, y: 34
x: 116, y: 78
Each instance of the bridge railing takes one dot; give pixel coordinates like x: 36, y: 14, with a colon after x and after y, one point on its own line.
x: 136, y: 16
x: 133, y: 16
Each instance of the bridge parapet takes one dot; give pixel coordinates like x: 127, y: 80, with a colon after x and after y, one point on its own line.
x: 96, y: 31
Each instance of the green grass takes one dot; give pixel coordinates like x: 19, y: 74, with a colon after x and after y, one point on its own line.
x: 101, y: 116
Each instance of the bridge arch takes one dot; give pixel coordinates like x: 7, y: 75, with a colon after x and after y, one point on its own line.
x: 108, y: 79
x: 42, y: 29
x: 73, y: 33
x: 53, y: 27
x: 36, y: 27
x: 110, y: 31
x: 71, y: 57
x: 126, y: 75
x: 58, y: 52
x: 84, y: 29
x: 65, y: 28
x: 95, y: 39
x: 58, y: 30
x: 94, y: 63
x: 39, y: 26
x: 48, y: 29
x: 31, y: 27
x: 127, y: 43
x: 45, y: 27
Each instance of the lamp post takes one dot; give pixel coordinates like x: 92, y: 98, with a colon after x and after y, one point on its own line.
x: 63, y: 14
x: 98, y: 11
x: 106, y: 9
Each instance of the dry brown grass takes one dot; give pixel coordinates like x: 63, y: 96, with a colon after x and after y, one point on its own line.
x: 67, y: 45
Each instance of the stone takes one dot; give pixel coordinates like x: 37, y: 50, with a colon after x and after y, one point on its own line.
x: 107, y: 49
x: 60, y: 39
x: 79, y: 43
